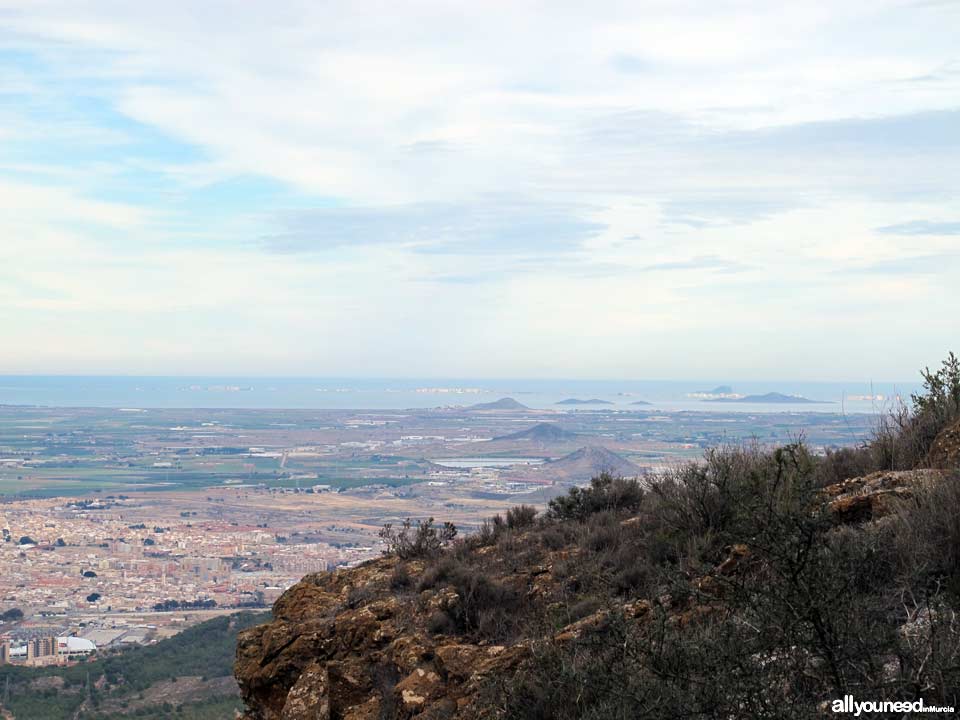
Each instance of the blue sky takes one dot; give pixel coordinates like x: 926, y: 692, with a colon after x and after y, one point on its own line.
x: 605, y: 190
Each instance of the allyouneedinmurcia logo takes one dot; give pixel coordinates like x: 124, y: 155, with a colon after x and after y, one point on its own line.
x: 856, y: 708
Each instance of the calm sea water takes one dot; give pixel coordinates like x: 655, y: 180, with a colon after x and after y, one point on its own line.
x: 318, y: 393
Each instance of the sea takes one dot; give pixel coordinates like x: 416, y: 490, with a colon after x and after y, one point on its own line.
x: 133, y: 392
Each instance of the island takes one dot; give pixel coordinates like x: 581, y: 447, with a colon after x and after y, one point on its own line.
x: 506, y: 403
x: 770, y: 397
x: 578, y: 401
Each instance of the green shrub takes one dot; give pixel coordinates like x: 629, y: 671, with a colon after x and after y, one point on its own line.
x: 521, y: 516
x: 605, y: 492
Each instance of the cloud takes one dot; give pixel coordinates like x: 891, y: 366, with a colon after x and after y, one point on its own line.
x: 921, y: 227
x: 490, y: 226
x: 920, y: 131
x: 702, y: 262
x: 936, y: 264
x: 631, y: 64
x: 710, y: 210
x: 642, y: 172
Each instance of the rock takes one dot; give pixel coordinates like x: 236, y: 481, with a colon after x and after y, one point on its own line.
x: 576, y: 630
x: 308, y: 699
x: 271, y: 658
x: 442, y: 600
x: 459, y: 661
x: 739, y: 554
x: 873, y: 496
x: 359, y: 629
x: 349, y: 685
x: 408, y: 652
x: 369, y: 710
x: 640, y: 609
x: 418, y: 688
x: 945, y: 451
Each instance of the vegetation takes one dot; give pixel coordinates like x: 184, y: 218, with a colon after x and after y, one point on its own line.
x: 905, y: 435
x: 98, y: 689
x: 605, y: 493
x: 12, y: 615
x: 426, y: 540
x: 749, y: 598
x: 170, y: 605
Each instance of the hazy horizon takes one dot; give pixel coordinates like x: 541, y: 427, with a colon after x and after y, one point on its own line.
x: 657, y: 189
x: 657, y: 396
x: 726, y: 379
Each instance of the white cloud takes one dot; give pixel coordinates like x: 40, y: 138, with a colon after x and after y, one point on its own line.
x: 625, y: 174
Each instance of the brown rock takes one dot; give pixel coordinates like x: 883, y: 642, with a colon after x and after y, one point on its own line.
x: 308, y: 699
x: 271, y: 658
x: 498, y: 659
x: 873, y: 496
x: 945, y: 451
x: 368, y: 710
x: 576, y: 630
x: 739, y: 553
x: 418, y: 688
x: 360, y: 628
x: 639, y: 609
x: 446, y: 598
x: 459, y: 661
x: 408, y: 652
x: 349, y: 685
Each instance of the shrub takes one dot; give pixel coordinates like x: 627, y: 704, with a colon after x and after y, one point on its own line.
x: 494, y: 528
x: 484, y: 606
x: 440, y: 623
x: 426, y: 540
x: 709, y: 505
x: 605, y: 492
x: 521, y: 516
x: 400, y: 579
x: 927, y: 536
x: 555, y: 536
x: 941, y: 396
x: 360, y: 595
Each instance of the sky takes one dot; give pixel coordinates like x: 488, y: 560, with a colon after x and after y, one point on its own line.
x: 649, y: 190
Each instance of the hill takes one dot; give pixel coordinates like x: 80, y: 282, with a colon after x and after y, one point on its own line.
x: 578, y: 401
x: 541, y: 432
x: 191, y: 671
x: 588, y: 462
x: 757, y: 583
x: 506, y: 403
x: 770, y: 397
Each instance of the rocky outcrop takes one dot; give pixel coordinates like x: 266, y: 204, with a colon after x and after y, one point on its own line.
x: 323, y: 658
x: 873, y: 496
x: 945, y: 451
